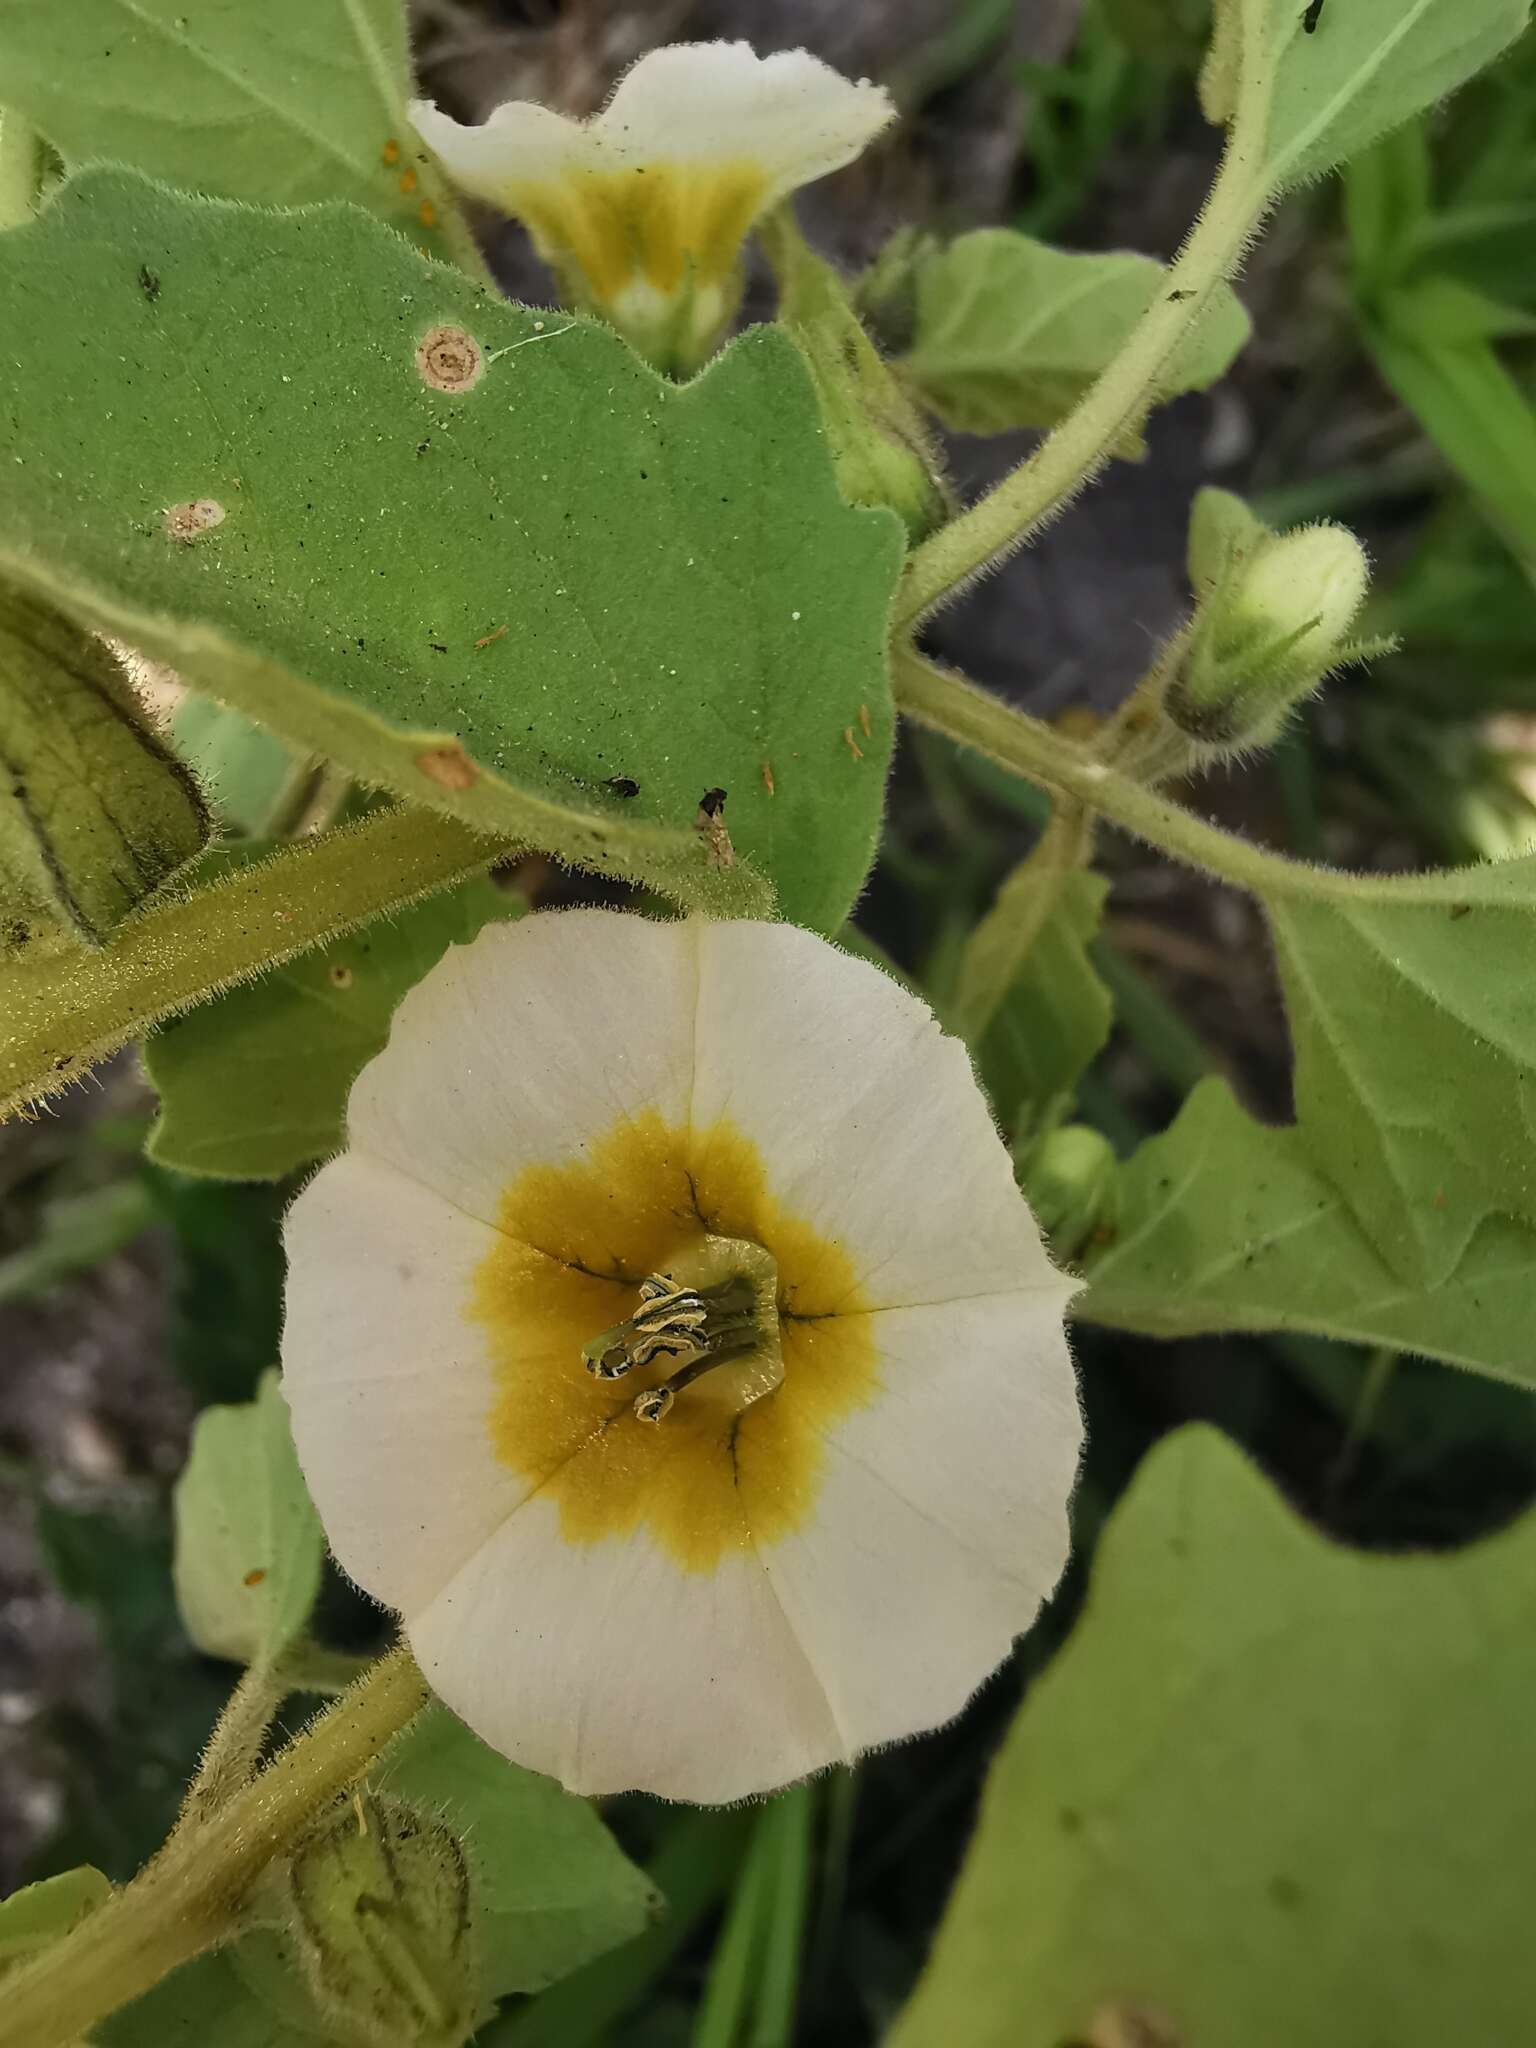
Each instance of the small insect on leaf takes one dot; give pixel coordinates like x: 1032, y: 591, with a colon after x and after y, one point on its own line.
x: 711, y: 828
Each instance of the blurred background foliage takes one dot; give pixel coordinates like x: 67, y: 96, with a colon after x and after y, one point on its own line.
x: 1390, y: 385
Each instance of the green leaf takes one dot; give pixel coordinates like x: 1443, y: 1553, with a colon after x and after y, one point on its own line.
x: 95, y: 811
x: 1011, y: 333
x: 1414, y: 1026
x: 1271, y: 1792
x: 44, y: 1912
x: 276, y: 104
x: 1055, y: 1018
x: 551, y: 1887
x: 1476, y: 414
x: 254, y: 1084
x: 203, y: 2003
x: 562, y: 604
x: 249, y: 1546
x: 1367, y: 66
x: 252, y: 777
x: 1226, y: 1224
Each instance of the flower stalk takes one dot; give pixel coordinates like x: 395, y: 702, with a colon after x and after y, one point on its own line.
x: 1073, y: 454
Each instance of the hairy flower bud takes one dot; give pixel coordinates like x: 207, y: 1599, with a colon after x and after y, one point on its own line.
x: 1274, y: 619
x: 379, y: 1917
x: 1069, y: 1179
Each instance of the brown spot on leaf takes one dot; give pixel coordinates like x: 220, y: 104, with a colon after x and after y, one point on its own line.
x: 426, y: 213
x: 852, y: 744
x: 449, y: 767
x: 340, y: 974
x: 390, y: 154
x: 254, y: 1578
x: 486, y: 639
x: 408, y: 180
x: 768, y: 777
x: 865, y: 725
x: 450, y: 359
x: 190, y: 521
x: 1131, y: 2026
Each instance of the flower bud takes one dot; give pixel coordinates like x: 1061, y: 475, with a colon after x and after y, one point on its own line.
x: 1069, y: 1179
x: 379, y: 1917
x: 1270, y: 627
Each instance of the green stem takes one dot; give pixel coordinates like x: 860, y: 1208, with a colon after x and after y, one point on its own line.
x: 188, y: 1899
x: 948, y: 703
x: 1001, y: 943
x: 61, y: 1013
x: 1073, y: 453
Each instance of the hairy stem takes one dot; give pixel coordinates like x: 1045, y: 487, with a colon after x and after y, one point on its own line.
x: 61, y: 1013
x: 950, y: 704
x: 1074, y: 452
x: 188, y: 1899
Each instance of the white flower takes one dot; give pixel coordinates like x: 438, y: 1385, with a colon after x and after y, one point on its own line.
x: 642, y: 209
x: 857, y: 1498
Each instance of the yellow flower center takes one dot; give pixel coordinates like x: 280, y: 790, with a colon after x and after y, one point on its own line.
x: 665, y: 223
x: 580, y: 1240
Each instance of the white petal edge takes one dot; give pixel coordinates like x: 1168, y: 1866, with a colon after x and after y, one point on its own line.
x: 519, y: 143
x: 942, y: 1524
x: 525, y: 1046
x: 389, y: 1385
x: 869, y: 1119
x: 610, y: 1668
x: 692, y: 103
x: 940, y: 1527
x: 789, y: 112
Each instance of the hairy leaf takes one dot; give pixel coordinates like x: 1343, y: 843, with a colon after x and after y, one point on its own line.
x: 1363, y: 67
x: 291, y: 101
x: 1272, y: 1791
x: 1011, y: 333
x: 249, y: 1547
x: 254, y: 1084
x: 1226, y: 1224
x: 562, y: 601
x: 95, y: 811
x: 1414, y: 1023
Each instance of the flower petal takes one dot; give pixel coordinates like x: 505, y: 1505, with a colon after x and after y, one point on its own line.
x: 520, y: 143
x: 789, y: 117
x: 942, y: 1519
x: 871, y: 1119
x: 612, y: 1669
x: 388, y: 1383
x: 789, y: 113
x: 524, y: 1047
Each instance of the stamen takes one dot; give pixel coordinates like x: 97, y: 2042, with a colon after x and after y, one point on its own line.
x: 655, y: 1402
x: 702, y: 1327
